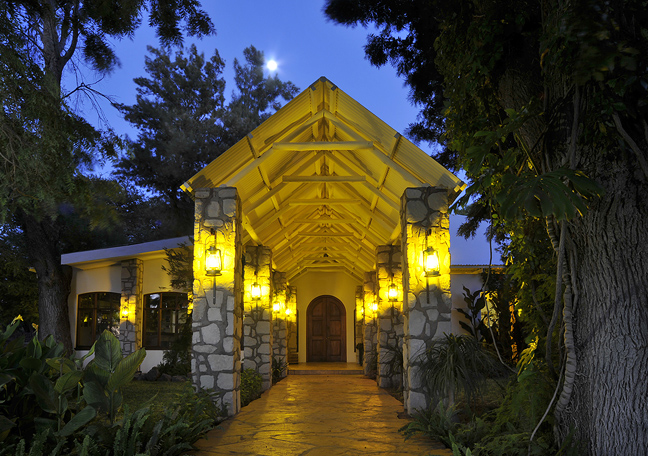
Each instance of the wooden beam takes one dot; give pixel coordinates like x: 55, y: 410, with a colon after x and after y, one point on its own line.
x: 324, y: 220
x: 322, y: 202
x: 317, y: 234
x: 323, y: 145
x: 318, y: 179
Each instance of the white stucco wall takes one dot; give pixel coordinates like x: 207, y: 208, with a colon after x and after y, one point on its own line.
x: 314, y: 284
x: 108, y: 279
x: 104, y: 279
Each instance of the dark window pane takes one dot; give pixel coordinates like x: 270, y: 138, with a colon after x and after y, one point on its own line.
x: 108, y: 300
x: 85, y: 320
x: 151, y: 327
x: 152, y: 301
x: 86, y: 300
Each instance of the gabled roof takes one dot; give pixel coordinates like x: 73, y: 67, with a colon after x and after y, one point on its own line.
x: 320, y: 182
x: 90, y: 259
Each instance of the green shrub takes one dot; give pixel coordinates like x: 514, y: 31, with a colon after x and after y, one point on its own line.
x: 177, y: 360
x: 279, y: 366
x: 251, y: 385
x: 62, y: 408
x: 457, y: 363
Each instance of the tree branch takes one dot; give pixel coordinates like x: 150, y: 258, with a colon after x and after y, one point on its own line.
x: 631, y: 142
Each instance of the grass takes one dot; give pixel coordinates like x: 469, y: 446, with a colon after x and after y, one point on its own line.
x: 158, y: 396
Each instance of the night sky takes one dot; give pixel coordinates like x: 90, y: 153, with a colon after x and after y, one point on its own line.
x: 305, y: 45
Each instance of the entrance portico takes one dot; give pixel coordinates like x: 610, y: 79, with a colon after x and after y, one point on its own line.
x: 323, y: 195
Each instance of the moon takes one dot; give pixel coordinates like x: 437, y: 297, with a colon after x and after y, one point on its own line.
x: 271, y: 65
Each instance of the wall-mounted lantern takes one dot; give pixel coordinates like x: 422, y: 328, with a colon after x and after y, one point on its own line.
x: 431, y: 262
x: 392, y: 292
x: 255, y: 291
x: 124, y: 312
x: 213, y: 258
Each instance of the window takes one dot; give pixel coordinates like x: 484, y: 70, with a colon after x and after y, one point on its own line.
x: 164, y: 316
x: 97, y: 312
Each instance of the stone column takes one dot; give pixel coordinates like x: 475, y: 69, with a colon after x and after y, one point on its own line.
x: 217, y: 305
x: 279, y: 326
x: 359, y: 321
x: 130, y: 312
x: 291, y: 322
x: 370, y: 332
x: 390, y: 318
x: 257, y: 324
x: 427, y: 300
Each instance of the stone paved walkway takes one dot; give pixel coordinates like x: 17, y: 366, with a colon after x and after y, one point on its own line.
x: 318, y: 415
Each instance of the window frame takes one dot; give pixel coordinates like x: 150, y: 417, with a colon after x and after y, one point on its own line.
x: 181, y: 306
x: 95, y: 309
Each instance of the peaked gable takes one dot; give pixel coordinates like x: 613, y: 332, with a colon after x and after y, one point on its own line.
x: 320, y: 181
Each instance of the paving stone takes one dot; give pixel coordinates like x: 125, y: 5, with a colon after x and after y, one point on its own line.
x: 318, y: 415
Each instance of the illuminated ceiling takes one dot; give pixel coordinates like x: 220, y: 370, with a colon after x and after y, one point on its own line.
x: 320, y: 182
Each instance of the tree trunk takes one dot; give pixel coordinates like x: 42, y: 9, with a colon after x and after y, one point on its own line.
x: 608, y: 409
x: 53, y: 279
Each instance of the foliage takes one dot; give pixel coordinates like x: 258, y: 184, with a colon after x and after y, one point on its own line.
x: 279, y: 366
x: 46, y: 148
x: 63, y: 408
x: 107, y: 373
x: 184, y: 125
x: 392, y: 363
x: 251, y: 384
x: 180, y: 269
x: 543, y: 104
x: 457, y: 363
x: 177, y: 360
x: 18, y: 292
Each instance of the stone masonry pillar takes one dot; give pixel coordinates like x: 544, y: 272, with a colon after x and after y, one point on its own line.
x: 280, y: 318
x: 427, y: 299
x: 370, y: 332
x: 218, y: 308
x: 291, y: 322
x: 359, y: 322
x: 257, y: 324
x: 390, y: 318
x: 130, y: 313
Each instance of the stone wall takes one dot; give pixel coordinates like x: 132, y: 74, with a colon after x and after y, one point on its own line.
x: 370, y: 331
x: 130, y: 313
x: 257, y: 324
x: 217, y: 305
x: 427, y: 300
x: 390, y: 318
x: 291, y: 323
x: 279, y: 322
x: 359, y: 322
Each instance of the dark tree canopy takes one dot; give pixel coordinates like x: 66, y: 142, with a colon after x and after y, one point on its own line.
x: 45, y: 147
x: 184, y: 124
x: 544, y: 105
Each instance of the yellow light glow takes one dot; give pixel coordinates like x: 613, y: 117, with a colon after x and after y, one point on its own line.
x: 392, y: 292
x: 288, y: 311
x: 125, y: 312
x: 374, y: 307
x: 431, y: 262
x: 213, y: 261
x: 360, y: 310
x: 255, y: 291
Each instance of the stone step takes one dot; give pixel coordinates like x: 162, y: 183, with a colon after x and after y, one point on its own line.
x: 297, y: 371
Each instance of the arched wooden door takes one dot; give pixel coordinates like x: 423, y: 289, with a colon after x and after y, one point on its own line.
x: 325, y: 330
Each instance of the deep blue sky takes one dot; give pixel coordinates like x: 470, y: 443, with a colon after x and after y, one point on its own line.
x: 306, y: 46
